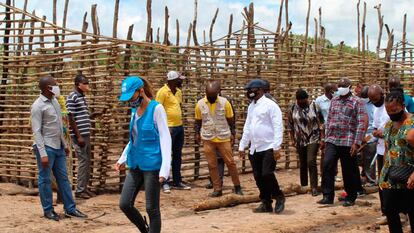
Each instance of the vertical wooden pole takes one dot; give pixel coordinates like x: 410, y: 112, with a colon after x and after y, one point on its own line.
x: 381, y: 26
x: 177, y: 41
x: 167, y: 16
x: 359, y: 30
x: 195, y: 24
x: 115, y: 23
x: 279, y: 19
x: 212, y: 26
x: 65, y: 15
x: 363, y: 43
x: 149, y: 21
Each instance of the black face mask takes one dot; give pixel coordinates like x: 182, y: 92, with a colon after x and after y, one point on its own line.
x: 303, y: 105
x: 212, y: 100
x: 397, y: 116
x: 379, y: 103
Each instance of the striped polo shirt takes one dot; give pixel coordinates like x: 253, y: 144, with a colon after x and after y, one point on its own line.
x: 77, y: 106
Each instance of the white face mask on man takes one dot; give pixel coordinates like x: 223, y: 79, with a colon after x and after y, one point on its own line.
x: 342, y: 91
x: 56, y: 91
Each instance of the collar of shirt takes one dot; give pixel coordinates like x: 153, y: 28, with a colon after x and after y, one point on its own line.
x: 259, y: 101
x: 206, y: 100
x: 324, y: 98
x: 79, y: 93
x: 44, y: 98
x: 169, y: 89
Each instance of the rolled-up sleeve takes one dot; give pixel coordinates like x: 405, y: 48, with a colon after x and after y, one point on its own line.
x: 36, y: 120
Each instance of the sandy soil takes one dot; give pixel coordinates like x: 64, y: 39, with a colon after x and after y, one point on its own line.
x: 302, y: 214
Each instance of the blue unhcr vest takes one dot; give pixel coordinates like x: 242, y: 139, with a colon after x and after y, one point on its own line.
x: 145, y: 148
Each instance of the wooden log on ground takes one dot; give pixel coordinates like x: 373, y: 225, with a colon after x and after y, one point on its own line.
x: 233, y: 199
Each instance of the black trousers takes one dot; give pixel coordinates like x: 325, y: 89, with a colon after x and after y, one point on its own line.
x: 350, y: 172
x: 398, y: 201
x: 380, y: 164
x: 307, y: 160
x: 264, y: 165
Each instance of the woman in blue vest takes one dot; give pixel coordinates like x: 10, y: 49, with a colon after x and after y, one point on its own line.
x: 148, y: 153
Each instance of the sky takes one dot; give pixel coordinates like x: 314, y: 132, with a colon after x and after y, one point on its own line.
x: 339, y: 17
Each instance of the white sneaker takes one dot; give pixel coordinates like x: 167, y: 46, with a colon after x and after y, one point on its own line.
x: 166, y: 188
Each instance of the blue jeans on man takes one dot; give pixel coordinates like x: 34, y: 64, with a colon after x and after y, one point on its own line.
x: 57, y: 165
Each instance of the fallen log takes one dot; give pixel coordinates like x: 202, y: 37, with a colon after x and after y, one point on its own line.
x: 14, y: 189
x: 233, y: 199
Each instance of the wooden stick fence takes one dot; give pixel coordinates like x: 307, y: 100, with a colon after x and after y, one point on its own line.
x: 33, y: 47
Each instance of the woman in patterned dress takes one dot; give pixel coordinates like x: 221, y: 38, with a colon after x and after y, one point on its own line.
x: 398, y: 196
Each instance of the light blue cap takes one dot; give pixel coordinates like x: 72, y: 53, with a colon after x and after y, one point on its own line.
x: 129, y: 86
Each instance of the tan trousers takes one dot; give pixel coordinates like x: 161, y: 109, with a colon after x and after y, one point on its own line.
x: 226, y: 152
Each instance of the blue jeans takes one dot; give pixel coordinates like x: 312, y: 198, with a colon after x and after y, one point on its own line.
x: 57, y: 164
x: 177, y: 141
x: 133, y: 183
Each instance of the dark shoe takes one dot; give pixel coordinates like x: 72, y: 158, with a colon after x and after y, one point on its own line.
x: 348, y: 203
x: 216, y: 194
x: 90, y: 193
x: 82, y: 195
x: 264, y: 207
x: 362, y: 193
x: 325, y: 201
x: 238, y: 190
x: 52, y: 216
x: 209, y: 186
x: 181, y: 186
x: 76, y: 214
x: 315, y: 192
x: 280, y: 205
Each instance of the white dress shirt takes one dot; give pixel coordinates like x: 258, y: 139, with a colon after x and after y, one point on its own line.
x: 263, y: 128
x: 380, y: 119
x: 160, y: 120
x: 323, y: 103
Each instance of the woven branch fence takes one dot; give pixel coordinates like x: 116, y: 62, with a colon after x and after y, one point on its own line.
x: 33, y: 47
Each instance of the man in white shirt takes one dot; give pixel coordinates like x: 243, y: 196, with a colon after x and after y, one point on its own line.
x: 263, y: 129
x: 376, y: 96
x: 324, y: 101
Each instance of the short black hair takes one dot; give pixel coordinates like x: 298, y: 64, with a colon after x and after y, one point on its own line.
x: 396, y: 95
x: 301, y: 94
x: 80, y: 78
x: 364, y: 92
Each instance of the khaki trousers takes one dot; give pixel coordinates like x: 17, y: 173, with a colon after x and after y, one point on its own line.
x: 226, y: 152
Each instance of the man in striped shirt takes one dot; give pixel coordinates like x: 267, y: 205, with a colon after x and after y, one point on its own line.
x: 80, y: 124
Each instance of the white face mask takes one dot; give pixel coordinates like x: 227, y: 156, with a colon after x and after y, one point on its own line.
x: 56, y: 91
x: 342, y: 91
x: 365, y: 100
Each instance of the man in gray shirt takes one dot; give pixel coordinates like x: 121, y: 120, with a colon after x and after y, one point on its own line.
x: 51, y: 149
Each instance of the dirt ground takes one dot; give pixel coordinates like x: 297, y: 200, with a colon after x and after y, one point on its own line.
x: 23, y: 213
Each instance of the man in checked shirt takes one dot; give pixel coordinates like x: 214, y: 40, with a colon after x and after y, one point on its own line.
x: 345, y: 130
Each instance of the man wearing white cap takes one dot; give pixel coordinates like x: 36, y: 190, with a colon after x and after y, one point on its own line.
x: 170, y: 96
